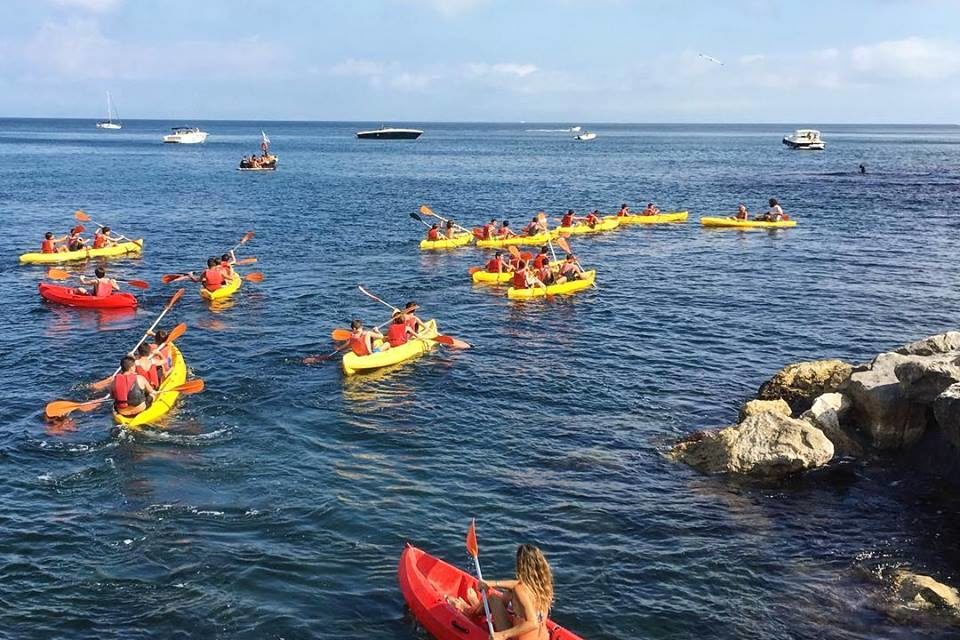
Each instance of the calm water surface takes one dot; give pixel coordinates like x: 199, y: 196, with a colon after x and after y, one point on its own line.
x: 278, y: 501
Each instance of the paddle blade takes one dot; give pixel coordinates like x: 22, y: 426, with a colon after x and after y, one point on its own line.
x: 192, y: 386
x: 176, y: 332
x: 81, y: 216
x: 57, y: 274
x: 416, y: 217
x: 526, y: 255
x: 61, y: 408
x: 139, y: 284
x: 427, y: 211
x: 473, y: 270
x: 339, y: 335
x: 541, y: 217
x: 256, y: 276
x: 450, y: 341
x: 176, y: 298
x: 563, y: 244
x: 472, y: 547
x: 514, y: 252
x: 247, y: 237
x: 246, y: 261
x: 171, y: 277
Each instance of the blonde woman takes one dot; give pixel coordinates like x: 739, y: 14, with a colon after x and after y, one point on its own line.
x: 520, y: 606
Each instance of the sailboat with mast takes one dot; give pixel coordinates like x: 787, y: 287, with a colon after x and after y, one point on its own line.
x: 111, y: 110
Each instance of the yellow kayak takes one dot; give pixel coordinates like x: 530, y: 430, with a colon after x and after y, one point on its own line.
x: 164, y: 400
x: 673, y: 216
x: 572, y: 286
x: 353, y: 364
x: 460, y: 240
x: 607, y: 224
x: 539, y: 239
x: 485, y: 277
x: 120, y: 249
x: 746, y: 224
x: 228, y: 289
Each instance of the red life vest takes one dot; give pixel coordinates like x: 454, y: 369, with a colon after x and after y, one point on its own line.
x: 520, y: 280
x: 103, y: 288
x: 150, y: 374
x: 623, y: 213
x: 99, y: 241
x: 567, y: 220
x: 213, y: 279
x: 540, y: 260
x: 515, y: 262
x: 397, y: 334
x: 495, y: 265
x: 47, y: 246
x: 359, y: 344
x: 123, y: 383
x: 503, y: 232
x: 433, y: 234
x: 487, y: 231
x: 592, y: 220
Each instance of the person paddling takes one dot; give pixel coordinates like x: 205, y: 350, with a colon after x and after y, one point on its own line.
x: 569, y: 270
x: 433, y: 233
x: 75, y: 241
x: 624, y: 211
x: 227, y: 261
x: 524, y: 279
x: 161, y: 349
x: 410, y: 319
x: 497, y: 265
x: 775, y: 214
x: 651, y: 210
x: 489, y: 230
x: 130, y: 391
x: 742, y: 213
x: 361, y: 340
x: 146, y: 362
x: 520, y: 606
x: 102, y: 285
x: 451, y: 229
x: 505, y: 231
x: 569, y: 219
x: 593, y: 218
x: 542, y: 258
x: 102, y: 238
x: 398, y: 332
x: 212, y: 277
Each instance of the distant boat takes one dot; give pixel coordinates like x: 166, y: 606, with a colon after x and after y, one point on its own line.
x: 265, y: 162
x: 586, y: 136
x: 575, y: 129
x: 805, y: 139
x: 186, y: 135
x: 109, y: 123
x: 390, y: 133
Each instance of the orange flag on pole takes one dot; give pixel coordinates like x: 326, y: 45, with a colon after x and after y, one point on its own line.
x: 472, y: 539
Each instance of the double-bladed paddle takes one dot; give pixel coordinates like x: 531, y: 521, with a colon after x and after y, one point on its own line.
x: 60, y: 274
x: 63, y: 408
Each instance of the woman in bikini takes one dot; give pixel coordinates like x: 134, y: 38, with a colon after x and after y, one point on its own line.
x: 520, y: 607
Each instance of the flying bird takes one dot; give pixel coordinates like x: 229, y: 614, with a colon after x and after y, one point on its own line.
x: 710, y: 58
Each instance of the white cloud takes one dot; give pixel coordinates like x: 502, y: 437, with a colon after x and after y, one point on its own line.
x: 910, y: 58
x: 449, y: 8
x: 386, y: 74
x: 501, y: 69
x: 89, y: 5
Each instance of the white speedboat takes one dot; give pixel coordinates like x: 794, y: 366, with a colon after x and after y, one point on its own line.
x: 390, y: 133
x: 109, y: 123
x: 575, y: 129
x: 586, y: 136
x: 808, y: 139
x: 186, y: 135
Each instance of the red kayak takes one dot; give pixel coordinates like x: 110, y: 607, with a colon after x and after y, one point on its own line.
x: 426, y: 581
x: 68, y: 296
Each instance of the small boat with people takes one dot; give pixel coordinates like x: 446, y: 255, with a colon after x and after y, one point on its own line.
x: 264, y: 162
x: 389, y: 133
x: 805, y: 140
x: 586, y: 136
x: 109, y: 122
x: 186, y: 135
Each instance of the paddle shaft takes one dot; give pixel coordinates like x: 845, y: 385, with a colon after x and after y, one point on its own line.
x: 435, y: 215
x: 483, y: 594
x: 149, y: 331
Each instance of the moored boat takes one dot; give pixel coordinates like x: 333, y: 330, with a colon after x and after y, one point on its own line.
x: 805, y: 139
x: 165, y: 398
x: 264, y: 162
x: 119, y: 249
x: 354, y: 364
x: 69, y: 297
x: 710, y: 221
x: 185, y: 135
x: 389, y: 133
x: 586, y: 136
x: 426, y: 582
x: 586, y: 280
x: 109, y: 123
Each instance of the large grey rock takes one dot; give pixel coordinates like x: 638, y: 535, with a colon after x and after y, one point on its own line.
x: 768, y: 445
x: 940, y: 343
x: 925, y: 592
x: 879, y: 406
x: 801, y: 382
x: 946, y: 411
x: 826, y: 414
x: 922, y: 380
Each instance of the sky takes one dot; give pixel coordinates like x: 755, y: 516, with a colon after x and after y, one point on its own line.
x: 578, y: 61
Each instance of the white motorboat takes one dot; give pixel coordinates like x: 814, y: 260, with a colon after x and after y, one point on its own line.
x: 575, y: 129
x: 186, y: 135
x: 808, y: 139
x: 390, y: 133
x: 586, y: 136
x: 109, y: 123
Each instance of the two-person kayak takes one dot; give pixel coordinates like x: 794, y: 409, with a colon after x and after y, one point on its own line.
x: 226, y: 290
x: 120, y: 249
x: 746, y: 224
x: 354, y: 364
x: 609, y: 223
x: 68, y: 296
x: 426, y: 582
x: 459, y: 240
x: 658, y: 218
x: 585, y: 280
x: 537, y: 239
x: 165, y: 398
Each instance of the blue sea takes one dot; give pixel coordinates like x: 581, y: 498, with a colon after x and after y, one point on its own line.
x: 276, y: 503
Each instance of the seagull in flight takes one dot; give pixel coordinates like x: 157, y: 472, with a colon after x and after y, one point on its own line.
x: 710, y: 58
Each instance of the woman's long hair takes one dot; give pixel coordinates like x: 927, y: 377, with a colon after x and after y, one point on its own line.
x: 534, y: 572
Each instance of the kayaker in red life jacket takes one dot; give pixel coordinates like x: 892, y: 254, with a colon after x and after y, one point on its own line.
x: 497, y: 265
x: 146, y: 365
x: 520, y: 606
x: 102, y: 238
x: 489, y: 230
x: 161, y: 349
x: 227, y: 261
x: 651, y: 210
x: 433, y: 233
x: 410, y: 319
x: 569, y: 219
x: 451, y: 230
x: 361, y: 340
x: 49, y: 244
x: 542, y: 258
x: 102, y: 285
x: 212, y: 277
x: 397, y: 332
x: 624, y: 210
x: 592, y: 219
x: 505, y: 231
x: 524, y: 279
x: 75, y: 241
x: 130, y: 391
x: 545, y: 273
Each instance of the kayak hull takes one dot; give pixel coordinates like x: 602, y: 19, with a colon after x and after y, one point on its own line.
x: 354, y: 364
x: 59, y: 294
x: 460, y: 240
x: 426, y: 582
x: 228, y: 289
x: 607, y: 224
x: 746, y: 224
x: 538, y: 239
x: 555, y: 289
x: 165, y: 398
x: 485, y: 277
x: 660, y: 218
x: 121, y: 249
